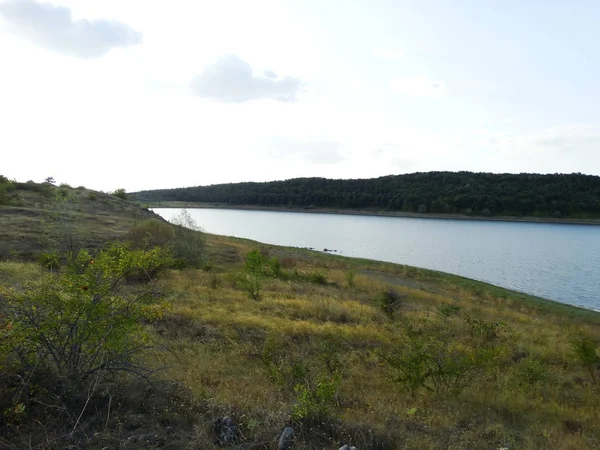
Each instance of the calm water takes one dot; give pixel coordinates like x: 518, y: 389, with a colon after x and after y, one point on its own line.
x: 559, y: 262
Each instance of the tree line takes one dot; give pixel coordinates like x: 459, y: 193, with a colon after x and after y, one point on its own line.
x: 486, y: 194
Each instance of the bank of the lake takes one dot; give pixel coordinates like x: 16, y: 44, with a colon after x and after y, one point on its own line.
x: 372, y: 212
x: 554, y: 261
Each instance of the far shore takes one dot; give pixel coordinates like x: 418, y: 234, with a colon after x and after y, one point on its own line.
x: 368, y: 212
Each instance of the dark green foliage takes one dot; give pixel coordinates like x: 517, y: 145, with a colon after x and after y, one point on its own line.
x: 318, y: 278
x: 449, y: 310
x: 586, y: 350
x: 389, y: 301
x: 5, y: 187
x: 120, y: 193
x: 483, y: 194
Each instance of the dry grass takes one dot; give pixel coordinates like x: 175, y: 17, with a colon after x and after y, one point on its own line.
x: 219, y: 336
x: 236, y: 356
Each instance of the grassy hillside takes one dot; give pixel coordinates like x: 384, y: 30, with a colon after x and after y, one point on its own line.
x: 347, y: 351
x: 100, y: 217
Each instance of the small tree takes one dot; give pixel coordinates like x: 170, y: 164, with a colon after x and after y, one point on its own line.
x: 50, y: 180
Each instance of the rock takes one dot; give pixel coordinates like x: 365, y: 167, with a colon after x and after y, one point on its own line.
x: 225, y: 431
x: 286, y: 440
x: 348, y: 447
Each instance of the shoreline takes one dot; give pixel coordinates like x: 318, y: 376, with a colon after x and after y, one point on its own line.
x: 375, y: 213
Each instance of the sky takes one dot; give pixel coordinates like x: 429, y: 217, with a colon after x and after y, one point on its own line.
x: 154, y: 94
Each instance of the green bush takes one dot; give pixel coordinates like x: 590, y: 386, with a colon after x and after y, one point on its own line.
x: 182, y: 237
x: 50, y: 260
x: 86, y: 321
x: 120, y: 193
x: 351, y: 279
x: 318, y: 278
x: 586, y: 350
x: 389, y: 301
x: 439, y: 357
x: 315, y: 403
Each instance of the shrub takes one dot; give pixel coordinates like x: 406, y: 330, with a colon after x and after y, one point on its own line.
x: 318, y: 278
x: 531, y: 372
x: 449, y: 310
x: 87, y: 321
x: 435, y: 357
x: 314, y: 403
x: 586, y: 350
x: 183, y: 238
x: 151, y: 233
x: 50, y: 260
x: 389, y: 301
x: 256, y: 262
x: 120, y: 193
x: 351, y: 279
x: 92, y: 196
x: 189, y: 242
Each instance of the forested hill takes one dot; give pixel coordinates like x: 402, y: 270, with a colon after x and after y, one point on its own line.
x: 485, y: 194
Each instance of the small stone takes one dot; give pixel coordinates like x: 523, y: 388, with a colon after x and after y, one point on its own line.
x: 286, y: 439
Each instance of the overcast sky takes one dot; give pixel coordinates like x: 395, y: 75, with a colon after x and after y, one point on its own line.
x: 154, y: 94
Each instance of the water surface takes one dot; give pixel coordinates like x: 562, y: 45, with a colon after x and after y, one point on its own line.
x: 555, y: 261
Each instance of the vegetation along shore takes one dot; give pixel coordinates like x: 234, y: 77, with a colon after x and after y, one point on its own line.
x: 121, y: 330
x: 529, y: 197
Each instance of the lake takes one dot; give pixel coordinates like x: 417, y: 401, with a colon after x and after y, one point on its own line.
x: 554, y: 261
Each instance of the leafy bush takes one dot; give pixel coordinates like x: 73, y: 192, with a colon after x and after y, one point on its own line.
x: 436, y: 357
x: 183, y: 238
x: 531, y: 372
x: 318, y: 278
x: 151, y: 233
x: 586, y: 350
x: 351, y: 279
x: 50, y: 260
x: 389, y: 301
x: 87, y: 321
x: 314, y: 403
x: 120, y: 193
x: 5, y: 187
x: 449, y: 310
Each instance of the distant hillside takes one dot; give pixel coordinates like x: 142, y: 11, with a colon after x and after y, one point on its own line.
x: 480, y: 194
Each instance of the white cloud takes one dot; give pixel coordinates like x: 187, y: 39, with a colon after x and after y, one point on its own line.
x: 421, y: 87
x: 52, y: 27
x: 230, y: 80
x: 388, y: 53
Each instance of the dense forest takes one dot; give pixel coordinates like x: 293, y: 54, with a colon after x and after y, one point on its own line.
x: 484, y: 194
